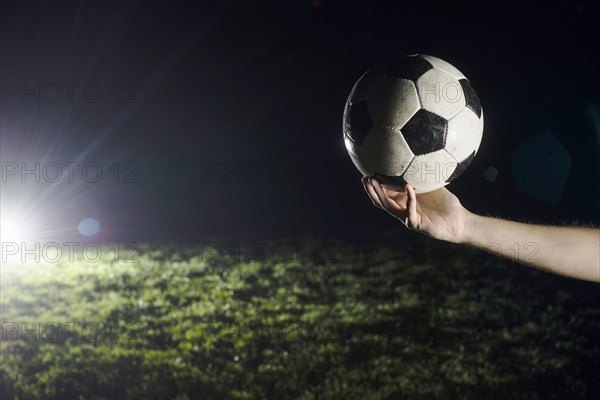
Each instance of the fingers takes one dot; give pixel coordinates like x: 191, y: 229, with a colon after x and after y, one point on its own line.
x: 413, y: 220
x: 396, y: 196
x: 371, y: 192
x: 391, y: 201
x: 401, y: 205
x: 388, y: 204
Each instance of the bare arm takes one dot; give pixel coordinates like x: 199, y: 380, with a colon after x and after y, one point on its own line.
x: 569, y: 251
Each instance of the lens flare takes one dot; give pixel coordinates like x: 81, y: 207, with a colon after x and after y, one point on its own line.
x: 89, y: 227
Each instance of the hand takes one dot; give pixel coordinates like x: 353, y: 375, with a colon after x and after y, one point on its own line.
x: 438, y: 214
x: 565, y: 250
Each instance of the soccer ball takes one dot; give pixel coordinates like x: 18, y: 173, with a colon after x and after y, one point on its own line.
x: 415, y: 119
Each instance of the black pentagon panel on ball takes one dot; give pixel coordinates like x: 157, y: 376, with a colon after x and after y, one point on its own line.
x: 408, y: 67
x: 358, y: 122
x: 460, y: 167
x: 471, y: 97
x: 394, y: 182
x: 425, y: 132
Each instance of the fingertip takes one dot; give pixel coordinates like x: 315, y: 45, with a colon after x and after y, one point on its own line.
x: 412, y: 201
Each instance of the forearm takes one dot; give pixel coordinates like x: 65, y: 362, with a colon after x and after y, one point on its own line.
x: 569, y: 251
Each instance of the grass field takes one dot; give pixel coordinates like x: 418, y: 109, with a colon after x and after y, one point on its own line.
x: 411, y: 319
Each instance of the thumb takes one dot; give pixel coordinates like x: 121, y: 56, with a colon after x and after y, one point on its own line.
x: 413, y: 218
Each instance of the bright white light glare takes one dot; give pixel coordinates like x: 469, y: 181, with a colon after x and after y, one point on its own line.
x: 12, y: 229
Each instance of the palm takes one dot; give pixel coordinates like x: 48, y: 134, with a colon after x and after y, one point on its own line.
x: 438, y: 214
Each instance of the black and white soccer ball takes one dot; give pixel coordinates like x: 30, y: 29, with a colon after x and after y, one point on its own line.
x: 415, y: 119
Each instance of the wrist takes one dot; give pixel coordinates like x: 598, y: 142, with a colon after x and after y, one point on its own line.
x: 469, y: 229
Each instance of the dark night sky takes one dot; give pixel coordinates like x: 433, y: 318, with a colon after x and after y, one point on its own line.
x: 259, y: 88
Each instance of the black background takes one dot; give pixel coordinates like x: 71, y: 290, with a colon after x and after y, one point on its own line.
x: 247, y: 85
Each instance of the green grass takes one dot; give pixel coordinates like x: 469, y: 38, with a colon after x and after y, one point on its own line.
x: 330, y: 322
